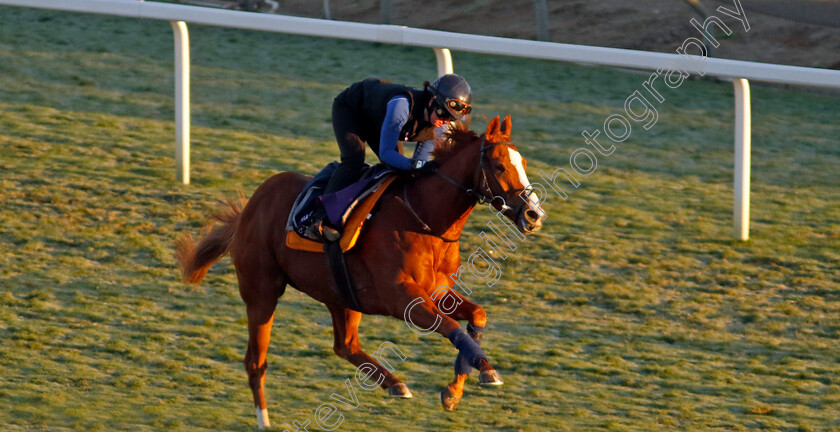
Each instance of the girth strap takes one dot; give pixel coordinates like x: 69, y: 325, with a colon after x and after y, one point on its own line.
x: 343, y: 281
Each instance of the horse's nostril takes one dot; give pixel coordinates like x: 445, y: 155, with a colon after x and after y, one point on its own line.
x: 532, y: 216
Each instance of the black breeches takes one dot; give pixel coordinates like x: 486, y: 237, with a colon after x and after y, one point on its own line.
x: 348, y: 133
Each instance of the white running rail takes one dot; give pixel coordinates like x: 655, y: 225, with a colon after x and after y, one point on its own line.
x: 739, y: 71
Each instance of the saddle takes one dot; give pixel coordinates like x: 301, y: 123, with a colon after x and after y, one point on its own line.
x: 347, y: 209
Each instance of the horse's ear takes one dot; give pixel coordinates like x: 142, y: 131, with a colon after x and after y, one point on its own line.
x: 493, y: 127
x: 506, y: 126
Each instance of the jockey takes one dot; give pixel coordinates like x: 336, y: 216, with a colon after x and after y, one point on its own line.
x: 381, y: 114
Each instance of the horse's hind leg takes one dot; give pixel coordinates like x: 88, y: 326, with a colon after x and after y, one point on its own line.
x: 347, y: 346
x: 260, y: 298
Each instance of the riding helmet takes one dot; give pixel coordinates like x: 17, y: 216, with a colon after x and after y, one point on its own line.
x: 452, y: 92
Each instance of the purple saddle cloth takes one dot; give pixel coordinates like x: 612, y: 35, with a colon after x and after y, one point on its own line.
x: 340, y: 204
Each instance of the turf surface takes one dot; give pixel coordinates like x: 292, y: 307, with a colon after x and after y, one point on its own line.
x: 632, y: 310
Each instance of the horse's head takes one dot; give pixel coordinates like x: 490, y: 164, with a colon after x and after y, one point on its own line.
x: 501, y: 176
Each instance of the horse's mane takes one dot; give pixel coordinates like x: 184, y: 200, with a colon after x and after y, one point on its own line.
x: 454, y: 139
x: 459, y: 135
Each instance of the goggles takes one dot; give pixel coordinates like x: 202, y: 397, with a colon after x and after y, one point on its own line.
x: 458, y: 107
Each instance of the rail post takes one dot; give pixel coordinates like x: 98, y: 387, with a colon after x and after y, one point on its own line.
x: 444, y: 61
x: 742, y: 158
x: 182, y: 101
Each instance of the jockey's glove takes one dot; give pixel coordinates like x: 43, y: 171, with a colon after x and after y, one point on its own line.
x: 430, y: 167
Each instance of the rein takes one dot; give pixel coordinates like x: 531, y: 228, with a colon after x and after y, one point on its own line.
x: 480, y: 197
x: 417, y: 217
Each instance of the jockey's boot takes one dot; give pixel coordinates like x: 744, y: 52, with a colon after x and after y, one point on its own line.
x: 319, y: 229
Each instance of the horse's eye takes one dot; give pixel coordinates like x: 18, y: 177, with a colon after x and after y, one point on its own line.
x: 500, y: 168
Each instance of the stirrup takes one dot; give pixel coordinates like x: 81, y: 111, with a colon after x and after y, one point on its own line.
x: 330, y: 233
x: 321, y: 232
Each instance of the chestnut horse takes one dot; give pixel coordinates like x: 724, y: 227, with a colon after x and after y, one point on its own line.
x: 402, y: 259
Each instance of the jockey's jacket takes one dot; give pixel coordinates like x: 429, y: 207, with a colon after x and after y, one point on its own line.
x: 396, y: 117
x: 388, y: 113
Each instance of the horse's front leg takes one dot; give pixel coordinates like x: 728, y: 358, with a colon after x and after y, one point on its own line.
x: 347, y: 346
x: 477, y: 319
x: 425, y: 316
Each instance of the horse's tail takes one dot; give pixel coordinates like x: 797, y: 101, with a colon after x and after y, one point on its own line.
x: 196, y: 260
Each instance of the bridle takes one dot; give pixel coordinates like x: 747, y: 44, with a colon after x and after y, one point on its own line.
x: 483, y: 194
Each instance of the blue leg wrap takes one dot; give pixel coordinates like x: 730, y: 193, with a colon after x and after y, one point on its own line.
x: 462, y: 366
x: 467, y: 348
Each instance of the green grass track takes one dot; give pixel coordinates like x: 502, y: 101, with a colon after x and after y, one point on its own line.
x: 632, y: 310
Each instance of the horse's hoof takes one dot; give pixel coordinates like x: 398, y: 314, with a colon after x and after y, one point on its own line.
x: 399, y: 390
x: 448, y: 401
x: 490, y: 378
